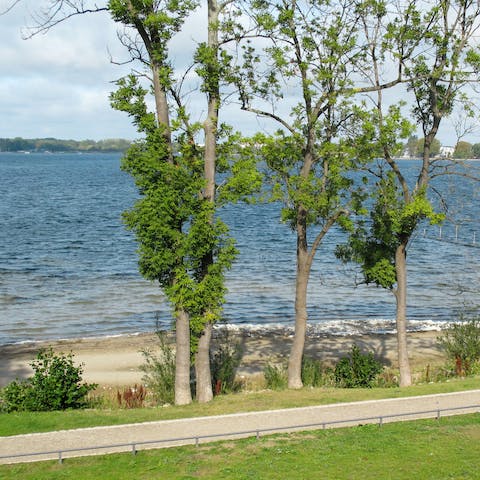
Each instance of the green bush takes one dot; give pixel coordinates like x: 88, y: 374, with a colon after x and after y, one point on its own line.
x: 13, y: 398
x: 357, y: 370
x: 55, y: 385
x: 275, y: 376
x: 461, y: 343
x: 159, y: 371
x: 225, y: 358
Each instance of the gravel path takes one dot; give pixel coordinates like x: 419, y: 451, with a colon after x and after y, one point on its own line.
x: 189, y: 431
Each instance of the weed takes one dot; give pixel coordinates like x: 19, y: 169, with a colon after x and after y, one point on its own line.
x: 461, y: 343
x: 224, y: 361
x: 275, y: 376
x: 159, y: 371
x: 132, y: 397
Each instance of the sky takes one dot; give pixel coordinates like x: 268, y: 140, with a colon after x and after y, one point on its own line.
x: 57, y: 84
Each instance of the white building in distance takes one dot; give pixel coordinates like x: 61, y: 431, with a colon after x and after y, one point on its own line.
x: 446, y: 151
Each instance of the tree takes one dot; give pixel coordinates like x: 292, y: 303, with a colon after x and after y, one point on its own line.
x: 463, y: 150
x: 412, y: 143
x: 436, y: 73
x: 312, y: 53
x: 476, y: 150
x: 182, y: 244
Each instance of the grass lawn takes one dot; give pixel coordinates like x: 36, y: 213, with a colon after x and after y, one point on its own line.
x: 448, y: 448
x: 29, y: 422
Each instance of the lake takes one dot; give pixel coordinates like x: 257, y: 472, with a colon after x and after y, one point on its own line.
x: 68, y: 267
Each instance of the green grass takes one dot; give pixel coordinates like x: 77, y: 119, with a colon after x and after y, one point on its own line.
x: 27, y: 422
x: 448, y: 448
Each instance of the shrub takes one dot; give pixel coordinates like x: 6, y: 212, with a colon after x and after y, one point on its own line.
x: 461, y: 343
x: 55, y: 385
x: 357, y: 370
x: 275, y: 376
x: 224, y: 361
x: 159, y: 371
x: 13, y: 397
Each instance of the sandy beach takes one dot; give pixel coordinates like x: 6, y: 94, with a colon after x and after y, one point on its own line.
x: 116, y: 361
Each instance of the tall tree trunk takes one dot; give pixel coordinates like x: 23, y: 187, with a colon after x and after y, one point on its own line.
x: 202, y: 358
x: 301, y: 316
x: 202, y: 366
x: 401, y: 315
x: 183, y: 394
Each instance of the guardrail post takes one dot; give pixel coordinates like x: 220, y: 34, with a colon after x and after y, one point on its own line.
x: 196, y: 441
x: 438, y: 414
x: 257, y: 436
x: 60, y: 459
x: 134, y: 450
x: 380, y: 421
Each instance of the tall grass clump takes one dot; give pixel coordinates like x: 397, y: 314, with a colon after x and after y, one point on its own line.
x: 314, y: 374
x: 225, y: 359
x: 159, y: 370
x: 276, y: 377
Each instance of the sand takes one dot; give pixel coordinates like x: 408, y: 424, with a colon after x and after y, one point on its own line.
x: 116, y: 361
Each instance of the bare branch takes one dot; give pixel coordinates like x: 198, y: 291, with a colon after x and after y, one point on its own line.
x: 273, y: 116
x: 325, y: 229
x: 58, y: 12
x: 10, y: 7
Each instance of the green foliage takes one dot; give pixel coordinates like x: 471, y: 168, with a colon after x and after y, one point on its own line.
x: 476, y: 150
x: 56, y: 385
x: 174, y: 226
x: 461, y: 343
x: 357, y: 370
x: 373, y: 243
x: 159, y: 371
x: 275, y: 376
x: 14, y: 397
x: 225, y: 358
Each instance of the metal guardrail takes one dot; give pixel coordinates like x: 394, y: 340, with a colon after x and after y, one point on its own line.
x: 436, y: 413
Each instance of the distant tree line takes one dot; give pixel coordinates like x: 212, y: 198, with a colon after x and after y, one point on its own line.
x: 462, y: 149
x: 19, y: 144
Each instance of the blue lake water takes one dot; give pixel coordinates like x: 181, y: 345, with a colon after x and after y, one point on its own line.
x: 68, y: 268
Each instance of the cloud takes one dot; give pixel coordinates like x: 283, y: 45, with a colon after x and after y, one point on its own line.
x: 57, y: 84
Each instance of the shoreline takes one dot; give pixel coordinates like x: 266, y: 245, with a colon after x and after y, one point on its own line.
x: 115, y: 360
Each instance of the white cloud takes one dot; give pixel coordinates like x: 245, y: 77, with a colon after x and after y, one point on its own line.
x: 57, y: 84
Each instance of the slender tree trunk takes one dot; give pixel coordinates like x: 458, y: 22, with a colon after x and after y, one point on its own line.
x: 301, y: 316
x: 401, y: 317
x: 202, y: 366
x: 183, y: 394
x: 202, y: 359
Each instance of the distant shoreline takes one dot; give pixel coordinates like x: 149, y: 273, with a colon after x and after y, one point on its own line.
x: 60, y: 146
